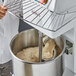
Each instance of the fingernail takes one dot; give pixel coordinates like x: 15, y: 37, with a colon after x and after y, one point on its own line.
x: 5, y: 7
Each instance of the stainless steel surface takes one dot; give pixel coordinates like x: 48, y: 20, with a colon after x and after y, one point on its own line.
x: 40, y: 46
x: 23, y: 68
x: 52, y: 20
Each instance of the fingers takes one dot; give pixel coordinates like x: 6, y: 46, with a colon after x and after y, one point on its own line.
x: 1, y: 16
x: 3, y: 10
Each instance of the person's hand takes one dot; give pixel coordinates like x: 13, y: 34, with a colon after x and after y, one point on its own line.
x: 3, y: 11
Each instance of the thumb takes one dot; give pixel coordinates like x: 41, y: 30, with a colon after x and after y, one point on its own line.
x: 5, y: 8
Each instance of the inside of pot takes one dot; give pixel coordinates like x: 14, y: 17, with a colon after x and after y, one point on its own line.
x: 25, y: 46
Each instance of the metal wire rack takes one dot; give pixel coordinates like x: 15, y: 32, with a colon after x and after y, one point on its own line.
x: 40, y: 16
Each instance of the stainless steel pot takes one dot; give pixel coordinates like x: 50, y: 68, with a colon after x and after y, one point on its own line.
x: 22, y: 68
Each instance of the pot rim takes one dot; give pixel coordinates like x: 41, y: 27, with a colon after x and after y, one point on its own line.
x: 35, y: 62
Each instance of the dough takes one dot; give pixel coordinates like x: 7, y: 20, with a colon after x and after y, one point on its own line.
x: 31, y: 54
